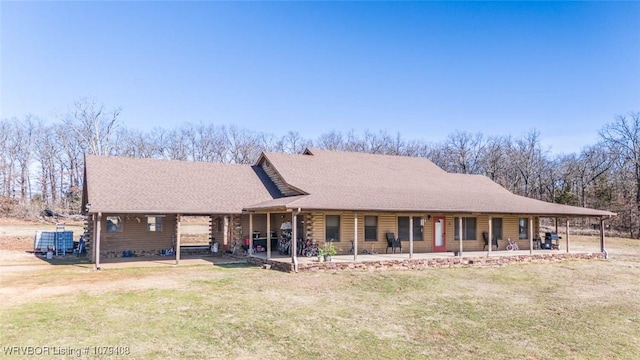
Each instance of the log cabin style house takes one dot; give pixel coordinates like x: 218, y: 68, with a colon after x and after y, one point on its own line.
x: 351, y: 199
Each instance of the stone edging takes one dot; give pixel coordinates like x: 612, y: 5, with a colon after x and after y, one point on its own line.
x: 420, y: 264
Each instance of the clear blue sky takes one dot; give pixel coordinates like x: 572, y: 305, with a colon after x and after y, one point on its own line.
x: 422, y: 69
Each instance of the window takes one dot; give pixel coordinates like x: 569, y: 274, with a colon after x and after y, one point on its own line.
x: 403, y: 228
x: 332, y: 227
x: 523, y: 228
x: 496, y: 227
x: 468, y: 228
x: 114, y: 224
x: 370, y: 228
x: 154, y: 223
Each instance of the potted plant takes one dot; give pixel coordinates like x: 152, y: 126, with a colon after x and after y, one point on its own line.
x: 329, y: 251
x: 321, y: 255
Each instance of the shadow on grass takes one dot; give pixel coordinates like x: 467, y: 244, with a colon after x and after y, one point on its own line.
x: 68, y: 259
x: 235, y: 265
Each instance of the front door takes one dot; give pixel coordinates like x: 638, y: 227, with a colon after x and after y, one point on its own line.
x: 439, y: 232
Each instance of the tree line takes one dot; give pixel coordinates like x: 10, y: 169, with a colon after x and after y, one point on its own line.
x: 42, y: 163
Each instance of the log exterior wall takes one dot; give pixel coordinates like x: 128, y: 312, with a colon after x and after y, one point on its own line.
x: 135, y: 237
x: 388, y: 222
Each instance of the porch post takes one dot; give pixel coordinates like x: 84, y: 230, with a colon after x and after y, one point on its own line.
x: 97, y: 244
x: 250, y: 250
x: 567, y: 240
x: 556, y: 221
x: 92, y: 241
x: 268, y: 236
x: 410, y: 237
x: 460, y: 233
x: 178, y: 218
x: 530, y: 235
x: 294, y: 240
x: 225, y: 234
x: 602, y: 247
x: 355, y: 237
x: 491, y: 235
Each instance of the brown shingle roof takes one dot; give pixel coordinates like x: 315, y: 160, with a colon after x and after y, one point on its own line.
x: 332, y: 180
x: 117, y: 184
x: 338, y: 180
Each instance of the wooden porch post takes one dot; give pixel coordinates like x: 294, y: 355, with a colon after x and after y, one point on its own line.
x: 355, y: 237
x: 268, y: 235
x: 92, y: 241
x: 410, y: 237
x: 567, y: 240
x: 530, y: 235
x: 294, y: 240
x: 225, y: 232
x: 556, y: 221
x: 178, y: 218
x: 97, y: 244
x: 490, y: 235
x: 602, y: 247
x: 460, y: 233
x: 250, y: 250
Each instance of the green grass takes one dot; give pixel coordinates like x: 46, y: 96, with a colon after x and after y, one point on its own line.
x: 573, y: 309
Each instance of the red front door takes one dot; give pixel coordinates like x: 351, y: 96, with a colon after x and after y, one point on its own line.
x: 439, y: 234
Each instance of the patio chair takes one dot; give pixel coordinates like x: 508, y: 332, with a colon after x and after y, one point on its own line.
x: 494, y: 241
x: 393, y: 243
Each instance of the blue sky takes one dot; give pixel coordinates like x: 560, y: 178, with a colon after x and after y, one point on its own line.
x: 423, y: 69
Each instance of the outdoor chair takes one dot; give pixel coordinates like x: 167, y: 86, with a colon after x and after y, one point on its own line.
x: 494, y: 241
x: 393, y: 243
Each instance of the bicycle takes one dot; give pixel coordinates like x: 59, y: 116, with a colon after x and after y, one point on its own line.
x: 311, y: 249
x: 512, y: 245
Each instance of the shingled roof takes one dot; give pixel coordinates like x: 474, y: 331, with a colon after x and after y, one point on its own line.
x: 326, y: 180
x: 336, y: 180
x: 126, y: 185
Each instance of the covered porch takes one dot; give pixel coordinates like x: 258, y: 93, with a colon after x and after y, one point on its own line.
x: 426, y: 237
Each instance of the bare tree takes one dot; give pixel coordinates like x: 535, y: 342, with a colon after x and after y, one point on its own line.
x: 292, y: 142
x: 494, y: 158
x: 10, y: 155
x: 93, y: 125
x: 244, y: 148
x: 5, y: 134
x: 464, y: 151
x: 622, y: 137
x: 527, y: 159
x: 45, y: 153
x: 24, y: 136
x: 332, y: 140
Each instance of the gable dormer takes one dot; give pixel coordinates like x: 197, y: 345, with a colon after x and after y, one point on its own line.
x: 276, y: 178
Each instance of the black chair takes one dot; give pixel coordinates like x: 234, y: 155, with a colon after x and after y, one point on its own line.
x: 393, y: 243
x: 494, y: 241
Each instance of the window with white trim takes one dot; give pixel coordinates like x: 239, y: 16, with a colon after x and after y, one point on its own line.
x: 332, y: 227
x: 523, y: 228
x: 403, y: 228
x: 370, y: 228
x: 468, y: 228
x: 154, y: 223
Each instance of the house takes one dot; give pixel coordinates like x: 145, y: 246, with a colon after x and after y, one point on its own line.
x: 351, y: 199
